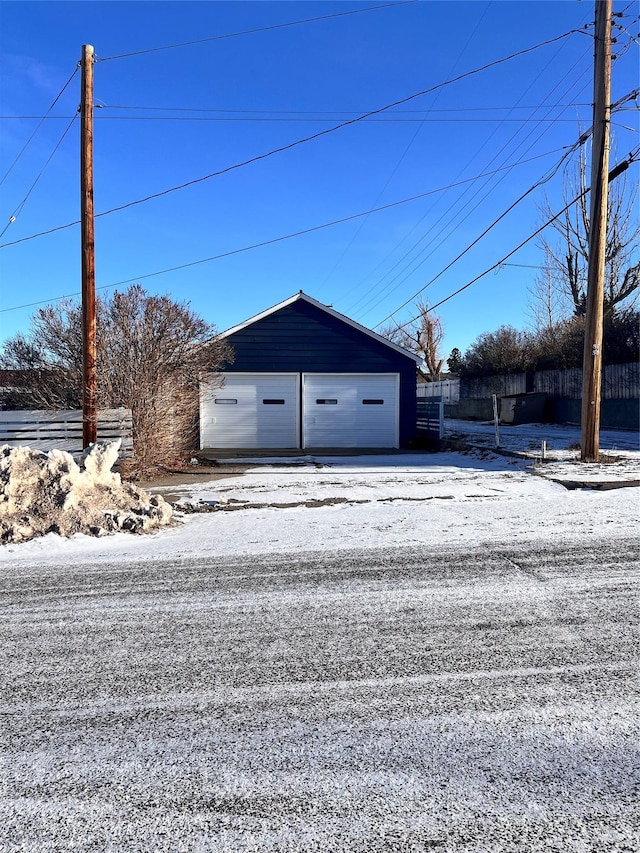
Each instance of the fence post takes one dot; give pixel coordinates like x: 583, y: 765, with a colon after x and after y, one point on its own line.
x: 496, y: 419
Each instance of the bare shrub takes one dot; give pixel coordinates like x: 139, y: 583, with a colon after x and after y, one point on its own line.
x: 504, y: 351
x: 151, y: 352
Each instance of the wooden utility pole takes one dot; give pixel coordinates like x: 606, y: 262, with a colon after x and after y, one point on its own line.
x: 89, y: 375
x: 592, y: 357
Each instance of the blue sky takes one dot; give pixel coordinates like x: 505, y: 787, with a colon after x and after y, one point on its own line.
x: 169, y: 117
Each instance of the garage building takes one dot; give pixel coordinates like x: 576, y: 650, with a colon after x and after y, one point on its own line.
x: 305, y: 377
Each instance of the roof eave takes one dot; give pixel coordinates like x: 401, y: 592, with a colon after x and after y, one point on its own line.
x: 327, y: 310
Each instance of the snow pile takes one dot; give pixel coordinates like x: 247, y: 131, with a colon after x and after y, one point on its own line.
x: 50, y: 493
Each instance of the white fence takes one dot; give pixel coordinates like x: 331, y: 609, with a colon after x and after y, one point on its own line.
x: 447, y: 389
x: 47, y: 430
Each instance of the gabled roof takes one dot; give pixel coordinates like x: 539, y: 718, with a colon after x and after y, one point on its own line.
x: 338, y: 316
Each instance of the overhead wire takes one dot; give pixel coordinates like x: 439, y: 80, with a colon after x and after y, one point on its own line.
x: 331, y: 112
x: 624, y: 126
x: 408, y: 147
x: 257, y: 30
x: 380, y: 120
x: 452, y: 224
x: 380, y: 284
x: 618, y: 106
x: 268, y: 242
x: 306, y: 139
x: 297, y: 115
x: 292, y: 115
x: 378, y: 291
x: 615, y: 25
x: 28, y: 142
x: 463, y: 109
x: 582, y: 139
x: 618, y: 169
x: 624, y: 11
x: 20, y: 207
x: 495, y: 222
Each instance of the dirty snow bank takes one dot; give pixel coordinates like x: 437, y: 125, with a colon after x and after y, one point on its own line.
x: 50, y: 493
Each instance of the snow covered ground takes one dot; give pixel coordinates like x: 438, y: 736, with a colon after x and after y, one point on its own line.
x: 563, y: 440
x: 368, y: 654
x: 326, y: 503
x: 562, y: 446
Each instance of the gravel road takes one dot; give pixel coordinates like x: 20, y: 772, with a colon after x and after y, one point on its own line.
x: 404, y: 700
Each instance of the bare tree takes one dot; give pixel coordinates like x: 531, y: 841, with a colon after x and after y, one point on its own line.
x: 423, y: 336
x: 547, y: 304
x: 561, y: 291
x: 46, y: 364
x: 151, y: 351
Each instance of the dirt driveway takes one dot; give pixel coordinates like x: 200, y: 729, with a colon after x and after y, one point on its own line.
x: 165, y: 483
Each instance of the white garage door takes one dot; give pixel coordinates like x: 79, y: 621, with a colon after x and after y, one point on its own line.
x: 251, y: 411
x: 350, y: 410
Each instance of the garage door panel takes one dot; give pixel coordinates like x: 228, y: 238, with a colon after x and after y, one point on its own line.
x: 252, y: 411
x: 350, y: 410
x: 255, y: 411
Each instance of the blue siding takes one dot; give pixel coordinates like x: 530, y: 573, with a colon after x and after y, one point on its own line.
x: 301, y: 338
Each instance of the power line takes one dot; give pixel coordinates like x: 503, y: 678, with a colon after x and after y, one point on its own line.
x: 617, y: 170
x: 26, y: 145
x: 20, y: 207
x: 382, y: 289
x: 277, y: 239
x: 580, y: 141
x: 618, y: 105
x: 291, y: 120
x: 332, y: 112
x: 624, y: 126
x: 456, y: 220
x: 408, y: 147
x: 257, y: 30
x: 315, y: 114
x: 524, y: 266
x: 514, y: 204
x: 306, y: 139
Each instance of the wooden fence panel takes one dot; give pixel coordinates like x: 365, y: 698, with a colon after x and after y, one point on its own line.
x: 559, y: 383
x: 485, y: 387
x: 619, y: 382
